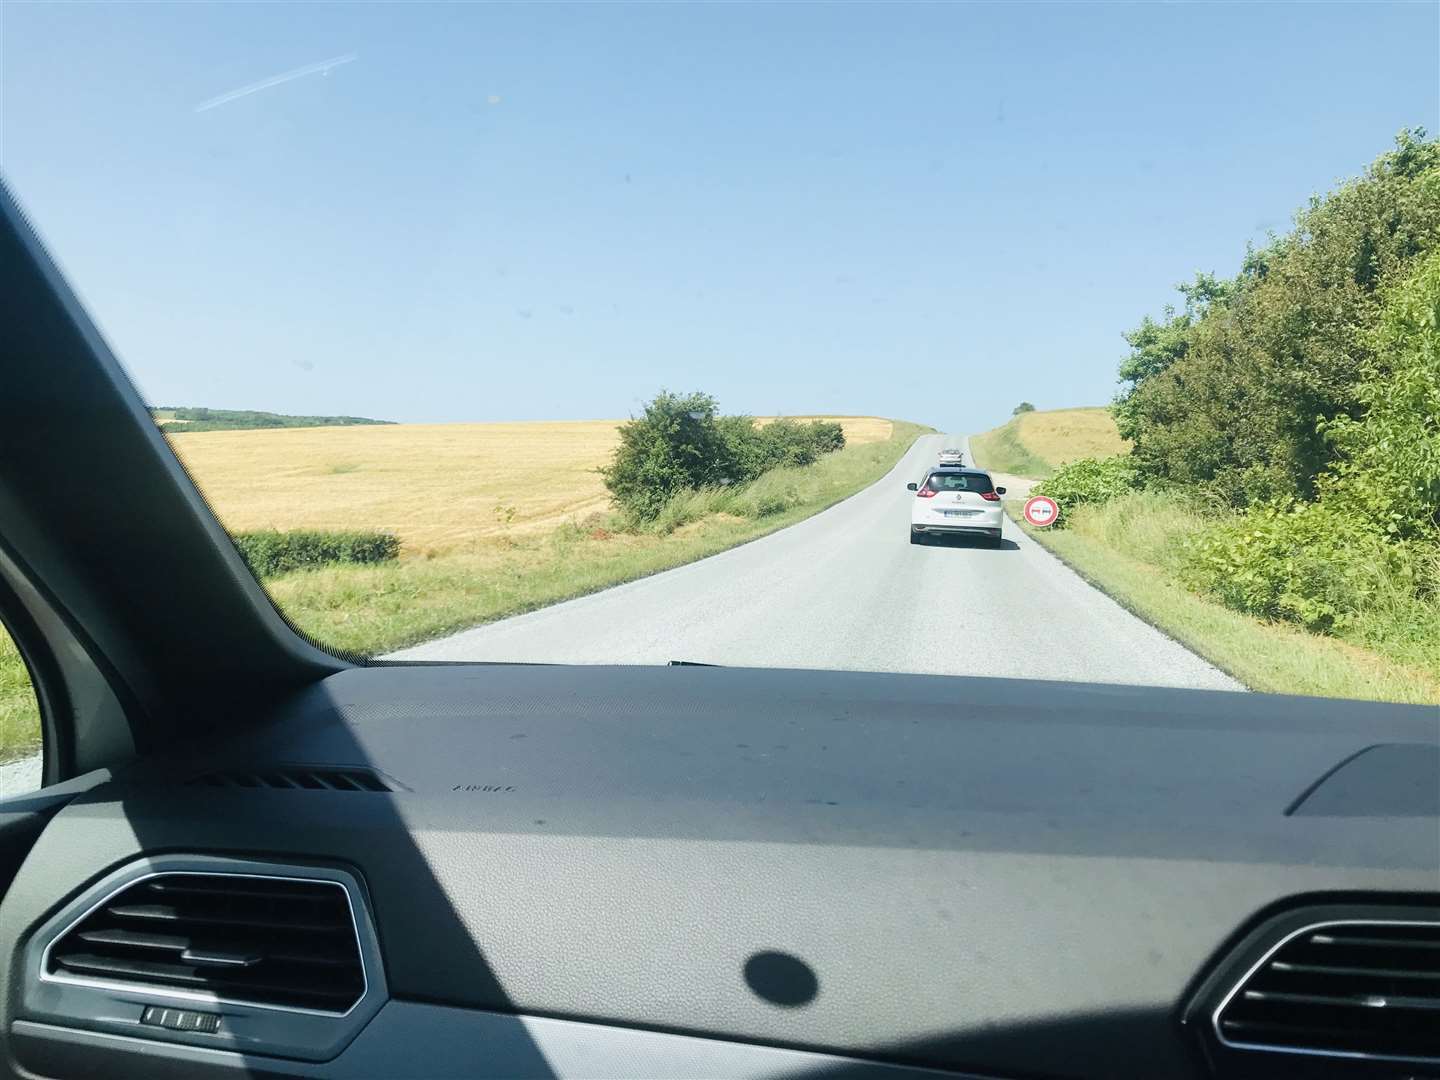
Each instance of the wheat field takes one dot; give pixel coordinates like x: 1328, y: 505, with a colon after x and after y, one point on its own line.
x: 439, y: 487
x: 1061, y: 436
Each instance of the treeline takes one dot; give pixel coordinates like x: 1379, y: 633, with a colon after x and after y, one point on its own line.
x: 1241, y: 390
x: 680, y: 443
x: 200, y: 419
x: 1298, y: 405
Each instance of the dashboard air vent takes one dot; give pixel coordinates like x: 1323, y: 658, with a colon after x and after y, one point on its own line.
x: 295, y: 776
x: 1343, y: 988
x: 281, y: 942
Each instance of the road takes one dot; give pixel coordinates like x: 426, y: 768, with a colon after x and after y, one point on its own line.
x: 846, y: 590
x: 20, y: 776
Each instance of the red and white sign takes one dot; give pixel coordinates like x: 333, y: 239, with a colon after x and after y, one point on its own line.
x: 1041, y: 510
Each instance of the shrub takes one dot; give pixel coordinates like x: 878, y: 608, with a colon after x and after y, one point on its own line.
x: 827, y: 435
x: 754, y: 450
x: 1089, y: 480
x: 270, y: 553
x: 674, y: 444
x: 680, y: 445
x: 786, y: 442
x: 1024, y: 406
x: 1308, y: 563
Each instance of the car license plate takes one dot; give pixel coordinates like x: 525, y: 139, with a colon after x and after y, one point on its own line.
x: 961, y: 513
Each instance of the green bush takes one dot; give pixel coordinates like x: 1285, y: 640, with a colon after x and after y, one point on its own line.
x: 673, y: 445
x: 786, y: 442
x: 1089, y: 480
x: 1227, y: 393
x: 270, y: 553
x: 1308, y: 563
x: 1389, y: 460
x: 1365, y: 557
x: 679, y: 445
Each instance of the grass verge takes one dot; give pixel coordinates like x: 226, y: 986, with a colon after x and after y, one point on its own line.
x: 377, y: 609
x: 1129, y: 549
x: 19, y: 716
x: 1001, y: 450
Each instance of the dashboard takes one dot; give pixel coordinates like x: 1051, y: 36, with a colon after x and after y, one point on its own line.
x: 510, y: 870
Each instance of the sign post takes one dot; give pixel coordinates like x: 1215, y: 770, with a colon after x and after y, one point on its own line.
x: 1041, y: 511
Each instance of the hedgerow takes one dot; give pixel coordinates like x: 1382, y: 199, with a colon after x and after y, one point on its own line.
x: 270, y: 552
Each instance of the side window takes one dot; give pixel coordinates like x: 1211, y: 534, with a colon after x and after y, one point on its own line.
x: 20, y: 743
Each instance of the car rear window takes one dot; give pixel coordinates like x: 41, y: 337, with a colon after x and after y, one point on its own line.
x: 958, y: 481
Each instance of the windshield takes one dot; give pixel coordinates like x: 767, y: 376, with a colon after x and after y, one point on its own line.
x: 631, y: 333
x: 959, y: 482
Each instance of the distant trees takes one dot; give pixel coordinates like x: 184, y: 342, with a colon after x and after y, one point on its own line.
x: 681, y: 442
x: 202, y: 419
x: 1024, y: 406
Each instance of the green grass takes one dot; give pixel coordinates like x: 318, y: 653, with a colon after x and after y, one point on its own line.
x: 1001, y: 450
x: 1130, y: 549
x: 19, y: 716
x: 376, y: 609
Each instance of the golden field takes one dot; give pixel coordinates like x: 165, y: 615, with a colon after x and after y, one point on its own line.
x: 1060, y: 436
x: 437, y: 486
x: 1035, y: 444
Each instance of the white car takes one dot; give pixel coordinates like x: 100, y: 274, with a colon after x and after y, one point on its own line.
x: 951, y: 501
x: 951, y: 456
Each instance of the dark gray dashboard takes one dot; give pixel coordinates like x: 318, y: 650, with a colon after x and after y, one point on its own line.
x: 999, y: 877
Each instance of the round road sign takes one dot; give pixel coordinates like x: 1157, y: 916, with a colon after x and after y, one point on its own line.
x: 1041, y: 510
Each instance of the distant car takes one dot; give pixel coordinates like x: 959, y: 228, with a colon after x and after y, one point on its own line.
x: 956, y: 502
x: 951, y: 457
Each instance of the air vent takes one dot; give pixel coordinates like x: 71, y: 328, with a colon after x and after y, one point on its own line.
x: 1344, y: 988
x: 277, y: 942
x: 296, y: 776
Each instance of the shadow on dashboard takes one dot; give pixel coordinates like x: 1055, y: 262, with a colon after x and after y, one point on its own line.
x: 1112, y: 1043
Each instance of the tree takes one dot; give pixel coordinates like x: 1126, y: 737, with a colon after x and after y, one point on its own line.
x: 1156, y: 346
x: 1024, y: 406
x: 1235, y: 393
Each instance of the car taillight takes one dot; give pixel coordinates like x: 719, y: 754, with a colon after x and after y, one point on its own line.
x: 989, y: 496
x: 925, y: 493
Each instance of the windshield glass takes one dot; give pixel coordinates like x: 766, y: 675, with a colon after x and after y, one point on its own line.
x: 630, y: 333
x: 959, y: 482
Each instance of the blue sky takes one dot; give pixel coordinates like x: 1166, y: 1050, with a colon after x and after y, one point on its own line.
x: 925, y: 211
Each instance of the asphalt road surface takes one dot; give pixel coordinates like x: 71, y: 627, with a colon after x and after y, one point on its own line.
x: 19, y: 777
x: 845, y: 589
